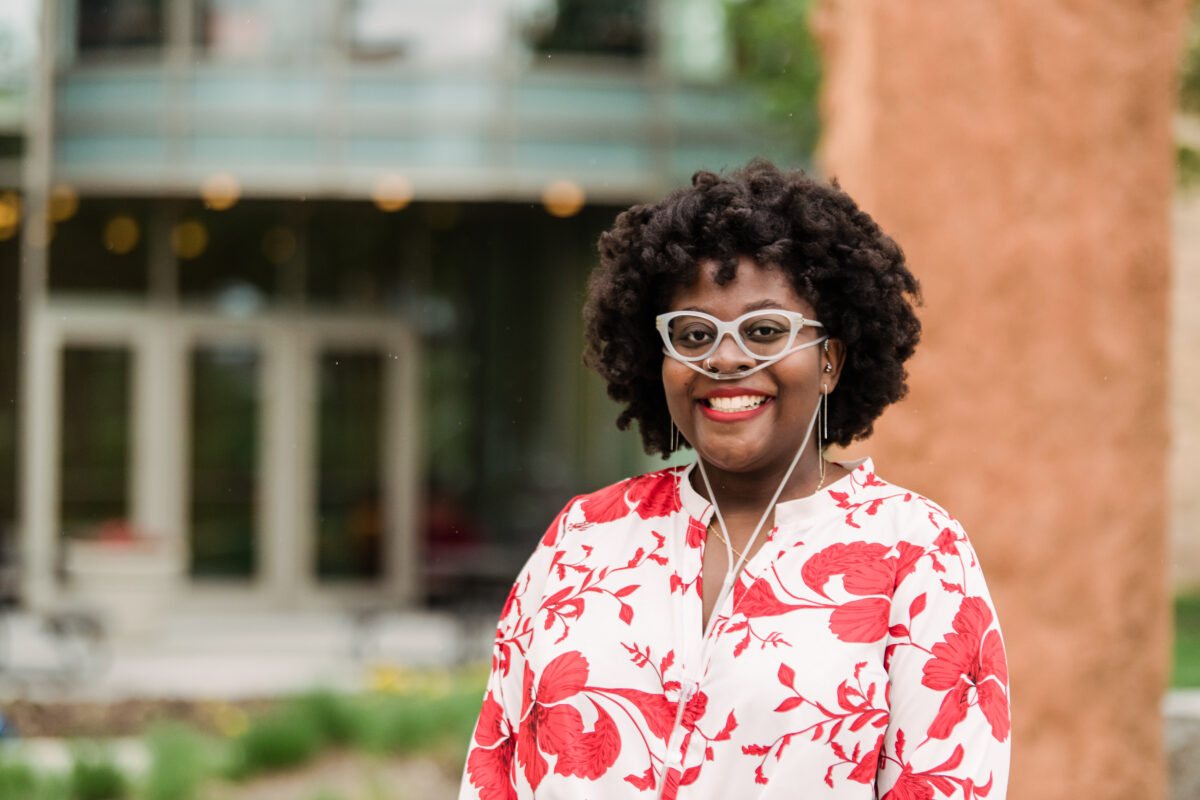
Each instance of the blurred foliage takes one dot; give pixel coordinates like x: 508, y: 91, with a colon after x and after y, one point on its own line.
x: 776, y: 53
x: 1189, y: 81
x: 1186, y: 673
x: 17, y: 781
x: 1187, y: 160
x: 95, y: 776
x: 180, y: 762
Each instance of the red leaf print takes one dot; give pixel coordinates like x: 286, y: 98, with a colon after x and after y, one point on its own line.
x: 656, y: 709
x: 591, y: 754
x: 860, y: 620
x: 626, y: 613
x: 839, y: 559
x: 787, y: 676
x: 945, y: 543
x: 756, y: 749
x: 759, y: 600
x: 910, y: 554
x: 607, y: 504
x: 898, y: 631
x: 953, y: 587
x: 563, y: 677
x: 643, y: 782
x: 917, y: 606
x: 727, y: 731
x: 789, y: 704
x: 489, y: 772
x: 628, y: 590
x: 655, y: 494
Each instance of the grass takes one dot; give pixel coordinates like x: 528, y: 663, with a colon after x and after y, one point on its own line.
x: 1186, y: 673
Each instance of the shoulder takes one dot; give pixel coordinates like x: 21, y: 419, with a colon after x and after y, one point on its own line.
x: 648, y: 496
x: 872, y: 503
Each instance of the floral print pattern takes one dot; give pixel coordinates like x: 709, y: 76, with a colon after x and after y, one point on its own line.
x: 857, y: 657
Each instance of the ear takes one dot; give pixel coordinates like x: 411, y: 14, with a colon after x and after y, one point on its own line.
x: 833, y: 358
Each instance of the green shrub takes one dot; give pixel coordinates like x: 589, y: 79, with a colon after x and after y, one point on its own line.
x: 17, y: 780
x: 180, y: 762
x: 1187, y: 641
x: 410, y: 723
x: 277, y: 740
x: 94, y: 776
x: 335, y: 716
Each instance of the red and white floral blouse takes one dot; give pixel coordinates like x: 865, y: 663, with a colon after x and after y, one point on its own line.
x: 858, y: 656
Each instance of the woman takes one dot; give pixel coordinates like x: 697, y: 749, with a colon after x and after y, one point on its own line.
x: 763, y: 623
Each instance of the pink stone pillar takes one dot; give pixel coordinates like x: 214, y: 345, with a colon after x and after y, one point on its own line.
x: 1021, y: 153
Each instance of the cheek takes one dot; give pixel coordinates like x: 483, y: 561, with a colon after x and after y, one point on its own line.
x: 677, y: 382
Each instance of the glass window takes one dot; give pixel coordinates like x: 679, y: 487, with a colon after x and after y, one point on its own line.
x: 95, y: 440
x: 120, y: 24
x: 229, y: 259
x: 604, y: 27
x: 101, y: 248
x: 225, y: 395
x: 350, y: 522
x: 258, y: 29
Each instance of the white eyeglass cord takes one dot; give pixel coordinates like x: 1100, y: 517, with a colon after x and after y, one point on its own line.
x: 688, y: 687
x: 733, y: 376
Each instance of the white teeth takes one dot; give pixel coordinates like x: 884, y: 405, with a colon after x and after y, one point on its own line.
x: 743, y: 402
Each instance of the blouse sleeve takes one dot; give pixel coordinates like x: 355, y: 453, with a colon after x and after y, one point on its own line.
x: 489, y: 772
x: 948, y: 679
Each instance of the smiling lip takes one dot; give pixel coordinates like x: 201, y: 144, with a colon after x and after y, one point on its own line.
x: 728, y: 406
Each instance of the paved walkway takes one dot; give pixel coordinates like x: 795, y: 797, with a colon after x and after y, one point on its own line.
x: 232, y: 655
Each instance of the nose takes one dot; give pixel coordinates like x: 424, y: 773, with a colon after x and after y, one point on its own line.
x: 728, y: 357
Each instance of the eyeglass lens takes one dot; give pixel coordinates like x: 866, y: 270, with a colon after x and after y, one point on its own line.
x: 763, y: 335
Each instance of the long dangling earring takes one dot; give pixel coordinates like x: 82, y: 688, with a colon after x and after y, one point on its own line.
x: 674, y: 437
x: 824, y: 433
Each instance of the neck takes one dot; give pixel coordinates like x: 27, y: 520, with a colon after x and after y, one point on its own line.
x: 750, y: 492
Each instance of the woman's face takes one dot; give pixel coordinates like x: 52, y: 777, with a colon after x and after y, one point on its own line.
x: 766, y: 437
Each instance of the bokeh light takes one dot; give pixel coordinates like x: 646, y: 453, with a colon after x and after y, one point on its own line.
x: 121, y: 234
x: 220, y: 191
x: 189, y: 238
x: 392, y: 192
x: 10, y: 215
x: 64, y: 202
x: 279, y: 244
x: 563, y: 198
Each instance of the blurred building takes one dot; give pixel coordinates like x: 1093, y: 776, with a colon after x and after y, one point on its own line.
x: 299, y: 283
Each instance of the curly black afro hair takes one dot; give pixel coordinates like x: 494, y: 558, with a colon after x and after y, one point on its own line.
x: 835, y: 255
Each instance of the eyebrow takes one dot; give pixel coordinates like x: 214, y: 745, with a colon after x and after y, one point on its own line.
x: 746, y: 309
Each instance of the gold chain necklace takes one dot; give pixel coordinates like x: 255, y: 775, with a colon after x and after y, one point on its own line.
x: 737, y: 552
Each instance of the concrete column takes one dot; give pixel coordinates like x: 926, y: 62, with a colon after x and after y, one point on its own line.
x: 1021, y: 153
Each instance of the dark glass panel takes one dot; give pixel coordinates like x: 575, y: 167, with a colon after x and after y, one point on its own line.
x: 120, y: 24
x: 95, y: 438
x: 225, y: 395
x: 350, y: 526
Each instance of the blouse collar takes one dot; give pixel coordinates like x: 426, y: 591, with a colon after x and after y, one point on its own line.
x: 802, y: 511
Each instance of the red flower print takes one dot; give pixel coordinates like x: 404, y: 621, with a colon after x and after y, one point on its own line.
x: 861, y: 564
x: 652, y: 495
x: 606, y: 504
x: 551, y: 534
x: 656, y: 494
x: 551, y: 726
x: 695, y: 534
x: 863, y: 620
x: 910, y: 787
x: 489, y: 770
x: 490, y: 763
x: 865, y: 771
x: 966, y: 663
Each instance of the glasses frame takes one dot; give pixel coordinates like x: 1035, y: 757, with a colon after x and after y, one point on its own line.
x: 798, y: 321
